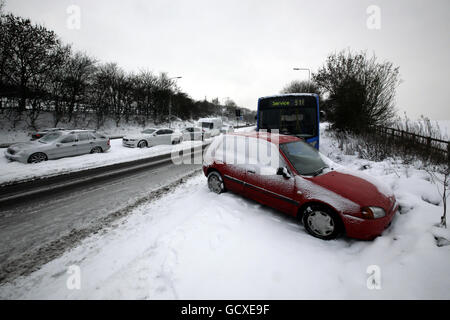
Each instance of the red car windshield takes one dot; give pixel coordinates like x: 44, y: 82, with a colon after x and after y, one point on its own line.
x: 305, y: 159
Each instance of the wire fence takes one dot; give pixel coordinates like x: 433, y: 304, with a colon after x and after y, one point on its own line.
x: 413, y: 142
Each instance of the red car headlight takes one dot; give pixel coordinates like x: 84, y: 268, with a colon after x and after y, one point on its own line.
x: 373, y: 212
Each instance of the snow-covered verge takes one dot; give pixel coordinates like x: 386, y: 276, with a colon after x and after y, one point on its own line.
x: 13, y: 171
x: 193, y: 244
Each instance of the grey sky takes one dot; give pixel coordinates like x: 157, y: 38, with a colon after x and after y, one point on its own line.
x: 247, y: 49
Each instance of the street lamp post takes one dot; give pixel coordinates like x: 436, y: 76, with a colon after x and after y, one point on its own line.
x: 309, y: 76
x: 170, y: 102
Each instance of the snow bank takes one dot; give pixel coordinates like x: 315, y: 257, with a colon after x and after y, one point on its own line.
x: 193, y: 244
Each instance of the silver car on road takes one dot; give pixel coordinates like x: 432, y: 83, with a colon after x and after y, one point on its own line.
x: 58, y: 144
x: 152, y: 137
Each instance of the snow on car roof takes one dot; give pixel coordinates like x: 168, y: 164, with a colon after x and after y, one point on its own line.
x: 48, y: 129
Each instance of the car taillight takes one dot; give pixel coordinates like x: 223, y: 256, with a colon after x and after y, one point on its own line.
x: 109, y: 142
x: 38, y: 136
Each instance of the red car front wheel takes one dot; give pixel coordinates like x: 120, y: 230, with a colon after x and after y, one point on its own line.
x: 321, y: 222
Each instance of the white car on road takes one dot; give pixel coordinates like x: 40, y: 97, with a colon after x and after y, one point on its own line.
x: 226, y: 128
x: 152, y: 137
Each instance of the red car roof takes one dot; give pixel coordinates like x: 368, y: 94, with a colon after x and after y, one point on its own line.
x: 282, y: 138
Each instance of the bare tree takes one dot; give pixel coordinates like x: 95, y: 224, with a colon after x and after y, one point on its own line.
x: 30, y: 53
x: 360, y: 90
x: 144, y: 94
x: 79, y: 73
x: 297, y: 86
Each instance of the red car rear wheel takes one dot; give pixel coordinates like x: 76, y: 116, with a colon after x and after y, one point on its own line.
x: 215, y: 182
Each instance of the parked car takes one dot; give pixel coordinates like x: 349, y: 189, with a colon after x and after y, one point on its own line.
x: 211, y: 125
x: 195, y: 133
x: 328, y: 201
x: 227, y: 128
x: 39, y: 134
x: 152, y: 137
x: 58, y: 144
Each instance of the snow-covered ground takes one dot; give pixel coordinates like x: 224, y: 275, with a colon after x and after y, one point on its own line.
x: 193, y: 244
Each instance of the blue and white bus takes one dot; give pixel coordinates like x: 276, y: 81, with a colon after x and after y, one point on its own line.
x: 292, y: 114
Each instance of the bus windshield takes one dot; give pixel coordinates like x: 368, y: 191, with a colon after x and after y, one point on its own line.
x: 290, y: 115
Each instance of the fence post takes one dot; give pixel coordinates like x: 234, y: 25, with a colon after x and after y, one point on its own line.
x: 429, y: 145
x: 448, y: 151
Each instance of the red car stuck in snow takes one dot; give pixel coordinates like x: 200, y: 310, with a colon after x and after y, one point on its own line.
x: 287, y: 174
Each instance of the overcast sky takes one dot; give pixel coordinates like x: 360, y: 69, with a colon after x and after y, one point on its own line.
x: 247, y: 49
